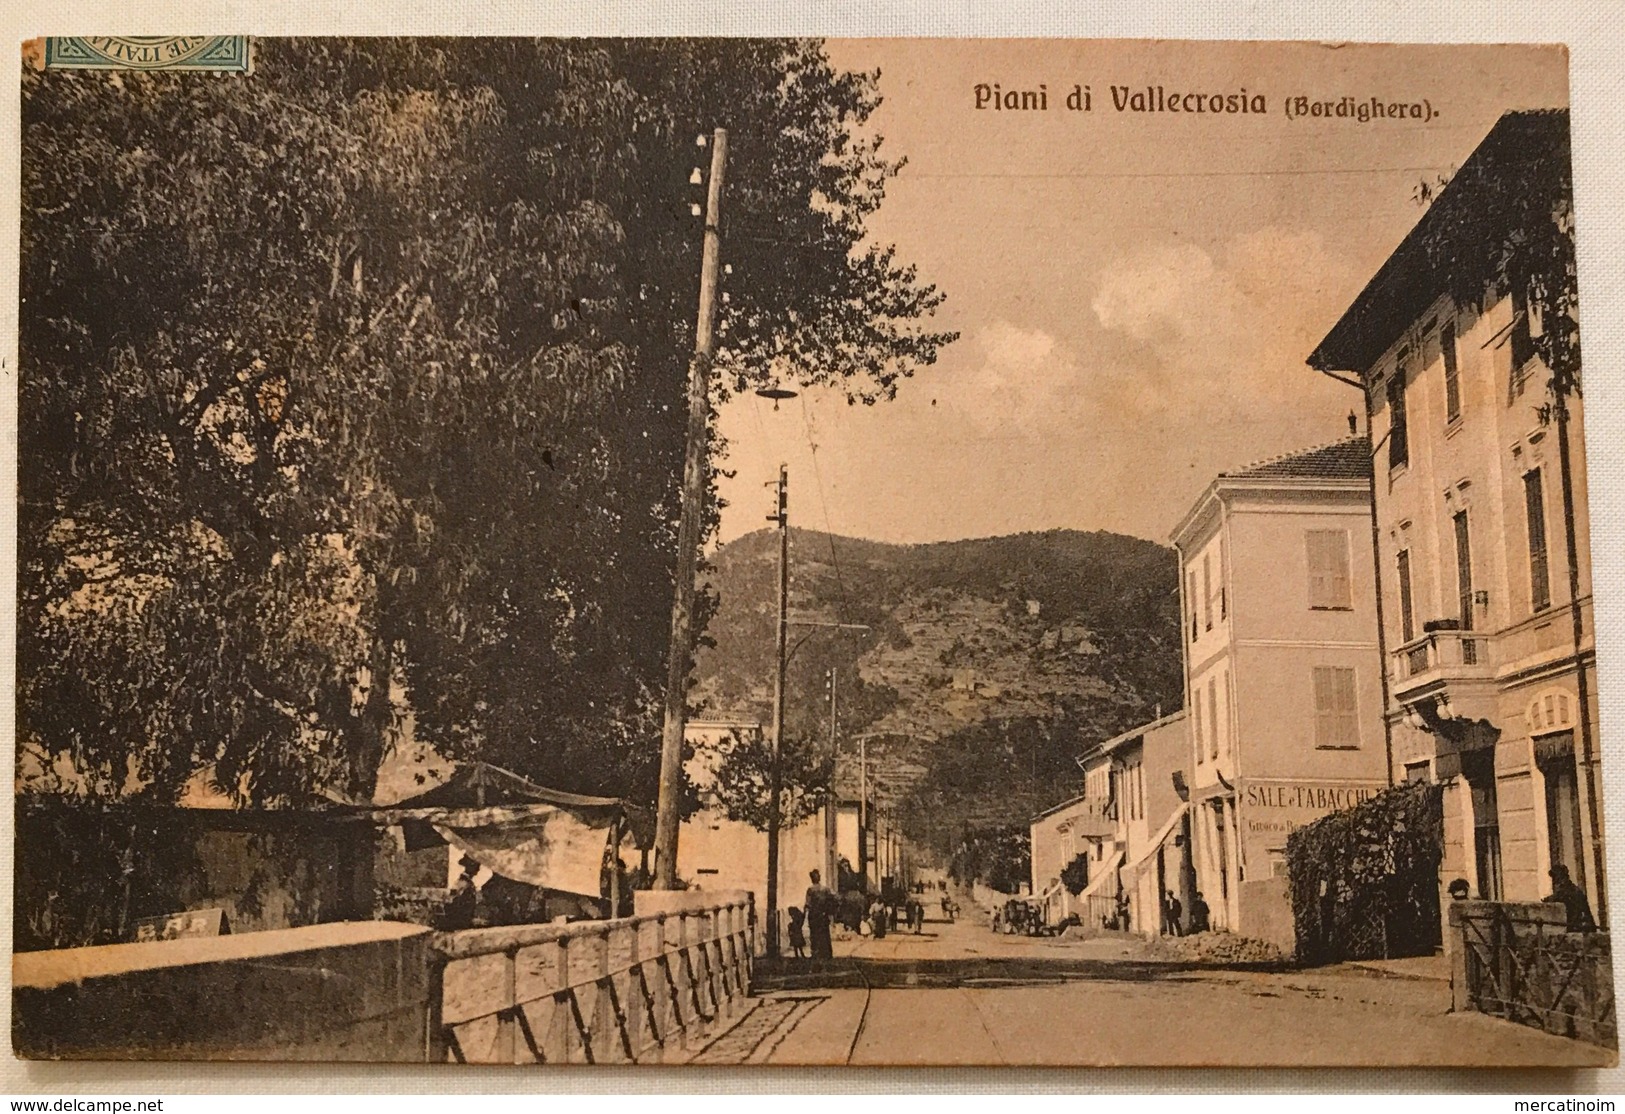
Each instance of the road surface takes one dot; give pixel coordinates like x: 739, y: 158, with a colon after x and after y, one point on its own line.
x: 959, y: 994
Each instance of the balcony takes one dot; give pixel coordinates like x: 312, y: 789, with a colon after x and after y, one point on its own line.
x: 1089, y: 818
x: 1442, y: 663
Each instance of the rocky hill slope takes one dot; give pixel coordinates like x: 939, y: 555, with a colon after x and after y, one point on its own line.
x: 987, y: 666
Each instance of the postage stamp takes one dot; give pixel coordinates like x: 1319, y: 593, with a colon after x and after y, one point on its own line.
x: 226, y: 53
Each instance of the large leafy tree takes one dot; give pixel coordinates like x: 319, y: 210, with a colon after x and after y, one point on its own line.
x: 356, y: 385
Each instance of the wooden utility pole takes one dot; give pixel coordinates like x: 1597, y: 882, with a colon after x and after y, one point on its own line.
x: 775, y: 779
x: 832, y: 803
x: 667, y: 813
x: 863, y: 808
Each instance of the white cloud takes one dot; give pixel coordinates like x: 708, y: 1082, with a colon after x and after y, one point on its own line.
x: 1016, y: 380
x: 1228, y: 335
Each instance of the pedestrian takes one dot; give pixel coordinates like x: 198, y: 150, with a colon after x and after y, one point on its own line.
x: 1174, y: 911
x: 1199, y: 914
x: 798, y: 935
x: 1123, y: 918
x: 1458, y: 889
x: 879, y: 915
x: 459, y: 911
x: 820, y: 907
x: 1572, y: 898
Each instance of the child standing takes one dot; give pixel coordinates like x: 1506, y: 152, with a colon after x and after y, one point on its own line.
x: 798, y: 936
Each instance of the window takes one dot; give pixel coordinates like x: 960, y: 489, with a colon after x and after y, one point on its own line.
x: 1398, y: 441
x: 1337, y: 721
x: 1213, y: 716
x: 1452, y: 376
x: 1207, y: 591
x: 1222, y: 608
x: 1328, y: 570
x: 1190, y: 599
x: 1464, y: 570
x: 1478, y: 767
x: 1196, y: 726
x: 1407, y: 613
x: 1523, y: 341
x: 1534, y: 503
x: 1554, y: 755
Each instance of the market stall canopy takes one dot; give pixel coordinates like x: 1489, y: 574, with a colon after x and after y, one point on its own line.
x: 520, y: 830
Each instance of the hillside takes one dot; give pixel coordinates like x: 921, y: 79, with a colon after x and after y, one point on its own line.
x: 990, y: 663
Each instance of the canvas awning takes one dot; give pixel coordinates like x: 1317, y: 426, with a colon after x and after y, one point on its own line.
x: 520, y: 830
x: 1097, y: 884
x: 1134, y: 868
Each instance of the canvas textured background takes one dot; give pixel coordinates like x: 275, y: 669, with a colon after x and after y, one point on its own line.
x: 1593, y: 31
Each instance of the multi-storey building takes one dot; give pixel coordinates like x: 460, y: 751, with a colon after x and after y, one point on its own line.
x: 1283, y: 671
x: 1128, y: 826
x: 1482, y: 529
x: 1084, y: 826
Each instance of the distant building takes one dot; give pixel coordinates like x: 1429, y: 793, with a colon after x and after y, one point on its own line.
x: 1081, y: 828
x: 1283, y: 672
x: 715, y: 852
x: 1153, y: 827
x: 1482, y: 528
x: 1129, y: 828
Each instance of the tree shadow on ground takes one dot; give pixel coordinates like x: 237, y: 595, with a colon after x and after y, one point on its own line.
x: 981, y: 972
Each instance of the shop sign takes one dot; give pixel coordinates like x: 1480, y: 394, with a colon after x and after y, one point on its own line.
x: 1276, y: 808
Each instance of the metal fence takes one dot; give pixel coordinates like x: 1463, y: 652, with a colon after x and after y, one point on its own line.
x: 1517, y: 961
x: 636, y: 989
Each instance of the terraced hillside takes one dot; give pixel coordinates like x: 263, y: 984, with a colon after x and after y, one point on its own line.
x: 989, y: 663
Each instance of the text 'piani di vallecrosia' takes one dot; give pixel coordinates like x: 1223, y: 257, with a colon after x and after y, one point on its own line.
x: 1155, y: 99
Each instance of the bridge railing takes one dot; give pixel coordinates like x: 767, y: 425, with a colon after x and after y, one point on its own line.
x: 635, y: 989
x: 1519, y: 961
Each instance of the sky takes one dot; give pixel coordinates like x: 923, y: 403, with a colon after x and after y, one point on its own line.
x: 1136, y: 293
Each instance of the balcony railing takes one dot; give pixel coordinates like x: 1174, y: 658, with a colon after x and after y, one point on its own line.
x: 1441, y: 651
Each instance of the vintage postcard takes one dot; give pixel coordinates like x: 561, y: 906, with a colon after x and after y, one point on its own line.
x: 768, y: 551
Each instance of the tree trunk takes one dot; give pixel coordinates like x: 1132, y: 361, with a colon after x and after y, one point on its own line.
x: 372, y: 725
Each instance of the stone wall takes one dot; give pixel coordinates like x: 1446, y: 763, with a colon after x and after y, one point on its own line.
x: 346, y: 991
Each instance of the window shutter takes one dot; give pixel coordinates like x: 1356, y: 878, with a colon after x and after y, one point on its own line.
x: 1336, y: 714
x: 1328, y: 553
x: 1213, y: 716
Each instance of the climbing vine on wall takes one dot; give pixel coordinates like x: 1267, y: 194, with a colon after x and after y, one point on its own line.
x: 1364, y: 882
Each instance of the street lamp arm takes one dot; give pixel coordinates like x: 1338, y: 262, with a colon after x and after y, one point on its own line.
x: 816, y: 628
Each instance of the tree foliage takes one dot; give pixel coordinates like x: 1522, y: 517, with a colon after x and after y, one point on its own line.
x: 999, y: 857
x: 1075, y: 874
x: 1364, y: 882
x: 1509, y: 224
x: 743, y: 764
x: 356, y: 386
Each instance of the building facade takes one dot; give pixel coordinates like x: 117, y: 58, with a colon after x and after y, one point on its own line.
x: 716, y: 852
x: 1283, y: 672
x: 1081, y: 827
x: 1149, y: 765
x: 1482, y: 528
x: 1127, y: 829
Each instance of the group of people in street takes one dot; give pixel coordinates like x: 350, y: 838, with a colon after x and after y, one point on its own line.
x: 813, y: 919
x: 810, y: 923
x: 1173, y: 915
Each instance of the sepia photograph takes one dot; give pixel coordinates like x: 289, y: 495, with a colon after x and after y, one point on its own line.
x: 804, y: 551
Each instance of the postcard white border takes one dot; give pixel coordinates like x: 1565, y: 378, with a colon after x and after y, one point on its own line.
x: 1593, y: 31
